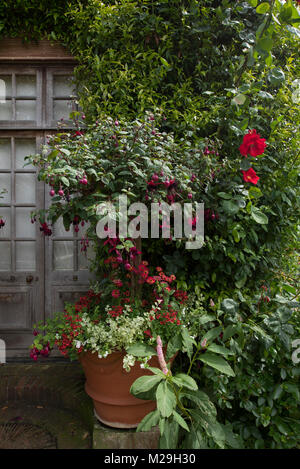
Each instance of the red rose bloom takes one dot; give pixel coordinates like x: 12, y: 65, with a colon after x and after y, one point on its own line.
x: 252, y: 144
x: 250, y: 176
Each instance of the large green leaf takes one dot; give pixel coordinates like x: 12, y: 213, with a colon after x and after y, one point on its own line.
x: 169, y: 439
x: 183, y: 380
x: 166, y: 400
x: 259, y: 216
x: 217, y: 362
x: 262, y: 8
x: 180, y: 421
x: 149, y: 421
x: 144, y: 383
x: 202, y: 401
x: 219, y: 349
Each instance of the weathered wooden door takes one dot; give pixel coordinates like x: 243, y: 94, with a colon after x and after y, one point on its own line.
x: 37, y: 274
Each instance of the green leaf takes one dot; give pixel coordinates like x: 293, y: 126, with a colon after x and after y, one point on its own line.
x: 206, y: 318
x: 144, y: 383
x: 263, y: 8
x: 236, y: 235
x: 239, y: 99
x: 255, y: 193
x: 229, y: 305
x: 229, y: 332
x: 276, y: 76
x: 212, y: 334
x: 231, y: 207
x: 202, y: 401
x: 141, y: 350
x: 169, y: 439
x: 65, y: 151
x: 265, y: 43
x: 173, y: 346
x: 259, y: 216
x: 166, y: 400
x: 289, y: 289
x: 185, y: 381
x: 180, y: 421
x: 217, y: 362
x: 224, y: 195
x: 219, y: 349
x: 65, y: 181
x: 187, y: 342
x: 245, y: 164
x: 165, y: 63
x: 148, y: 422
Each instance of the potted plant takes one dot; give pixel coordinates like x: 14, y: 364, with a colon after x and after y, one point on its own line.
x: 131, y: 303
x: 108, y: 330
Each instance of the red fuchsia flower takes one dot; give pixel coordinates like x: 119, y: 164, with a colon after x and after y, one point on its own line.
x: 61, y: 192
x: 253, y: 144
x: 170, y: 183
x: 2, y: 223
x: 193, y: 177
x: 190, y: 196
x: 160, y: 355
x: 250, y: 176
x: 152, y: 185
x: 45, y: 229
x: 77, y: 134
x: 52, y: 192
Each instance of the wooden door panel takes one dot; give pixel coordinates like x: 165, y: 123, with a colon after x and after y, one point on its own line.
x: 21, y: 245
x: 17, y: 308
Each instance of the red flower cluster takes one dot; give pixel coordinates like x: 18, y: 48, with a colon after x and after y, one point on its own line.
x: 72, y: 328
x: 253, y: 144
x: 181, y: 296
x: 35, y: 352
x: 116, y: 311
x: 87, y: 301
x: 165, y: 317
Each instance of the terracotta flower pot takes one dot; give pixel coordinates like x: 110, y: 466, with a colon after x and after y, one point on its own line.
x: 108, y: 384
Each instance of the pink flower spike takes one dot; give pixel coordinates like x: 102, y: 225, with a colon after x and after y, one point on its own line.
x: 161, y: 358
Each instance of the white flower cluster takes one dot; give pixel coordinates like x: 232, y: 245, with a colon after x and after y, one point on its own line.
x: 113, y: 334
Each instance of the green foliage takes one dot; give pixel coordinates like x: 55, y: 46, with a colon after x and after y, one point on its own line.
x: 186, y: 416
x: 214, y: 70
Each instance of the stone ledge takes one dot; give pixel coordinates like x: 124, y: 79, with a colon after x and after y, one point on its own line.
x: 113, y: 438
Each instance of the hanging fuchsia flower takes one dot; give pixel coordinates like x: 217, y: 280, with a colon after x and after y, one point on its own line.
x: 250, y: 176
x: 253, y: 144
